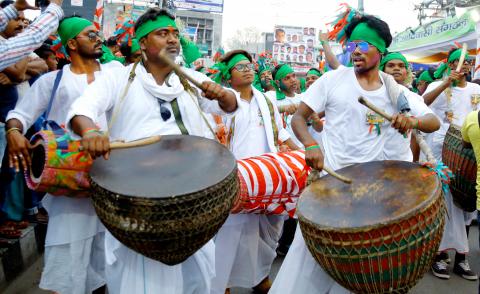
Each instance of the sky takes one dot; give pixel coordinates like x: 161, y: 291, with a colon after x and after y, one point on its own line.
x: 264, y: 14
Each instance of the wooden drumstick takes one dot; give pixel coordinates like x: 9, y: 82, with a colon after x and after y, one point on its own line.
x: 420, y: 140
x: 462, y: 57
x: 337, y: 176
x: 177, y: 69
x: 132, y: 144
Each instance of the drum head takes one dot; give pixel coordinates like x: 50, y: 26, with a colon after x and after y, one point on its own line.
x: 382, y: 191
x: 174, y: 166
x: 38, y: 157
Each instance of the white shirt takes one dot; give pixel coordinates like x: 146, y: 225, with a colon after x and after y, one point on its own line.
x: 250, y: 130
x: 70, y: 219
x: 346, y: 137
x: 139, y: 114
x: 288, y: 118
x: 460, y: 103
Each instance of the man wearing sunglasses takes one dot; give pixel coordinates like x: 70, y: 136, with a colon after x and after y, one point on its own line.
x: 245, y: 245
x: 146, y: 94
x: 347, y: 137
x: 75, y: 236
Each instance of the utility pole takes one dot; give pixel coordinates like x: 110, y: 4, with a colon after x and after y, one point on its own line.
x: 360, y: 6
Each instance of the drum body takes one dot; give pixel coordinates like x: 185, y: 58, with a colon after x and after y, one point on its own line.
x: 463, y: 164
x: 271, y: 183
x: 168, y: 199
x: 58, y: 167
x: 380, y: 234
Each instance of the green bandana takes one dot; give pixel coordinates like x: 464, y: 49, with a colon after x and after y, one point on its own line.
x: 282, y: 72
x: 224, y: 74
x: 190, y: 50
x: 263, y: 69
x: 363, y: 32
x: 393, y: 56
x: 162, y: 21
x: 314, y: 72
x: 108, y: 56
x: 455, y: 55
x: 135, y: 46
x: 425, y: 76
x: 70, y: 28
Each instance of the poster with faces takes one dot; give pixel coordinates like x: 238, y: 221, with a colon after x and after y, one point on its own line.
x: 295, y: 46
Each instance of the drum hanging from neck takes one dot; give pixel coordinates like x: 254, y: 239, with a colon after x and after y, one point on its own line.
x: 379, y: 234
x: 168, y: 199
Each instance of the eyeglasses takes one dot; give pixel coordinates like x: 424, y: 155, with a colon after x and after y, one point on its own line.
x: 363, y: 46
x: 92, y: 36
x: 164, y: 111
x: 244, y: 67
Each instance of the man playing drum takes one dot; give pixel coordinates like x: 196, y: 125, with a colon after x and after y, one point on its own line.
x: 245, y: 245
x: 451, y: 100
x: 348, y: 138
x: 74, y: 250
x: 156, y: 102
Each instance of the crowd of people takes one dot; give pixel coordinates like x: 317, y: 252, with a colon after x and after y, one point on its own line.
x: 59, y: 69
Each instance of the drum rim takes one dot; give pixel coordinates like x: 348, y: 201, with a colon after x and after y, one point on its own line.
x: 143, y: 197
x: 422, y: 207
x: 32, y: 181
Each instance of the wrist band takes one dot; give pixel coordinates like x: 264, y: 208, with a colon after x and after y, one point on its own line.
x: 312, y: 147
x: 90, y: 130
x: 12, y: 130
x: 418, y: 124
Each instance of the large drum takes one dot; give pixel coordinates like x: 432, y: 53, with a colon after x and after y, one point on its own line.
x: 168, y: 199
x: 379, y: 234
x: 463, y: 164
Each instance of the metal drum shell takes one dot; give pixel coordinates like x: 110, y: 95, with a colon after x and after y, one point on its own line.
x: 387, y: 257
x: 463, y: 164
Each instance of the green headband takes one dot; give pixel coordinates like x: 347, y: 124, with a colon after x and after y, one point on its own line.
x: 363, y: 32
x: 314, y: 72
x: 425, y: 76
x: 224, y: 68
x: 282, y: 72
x: 393, y: 56
x: 163, y: 21
x: 190, y: 50
x: 70, y: 28
x: 303, y: 85
x: 264, y: 69
x: 455, y: 55
x: 135, y: 46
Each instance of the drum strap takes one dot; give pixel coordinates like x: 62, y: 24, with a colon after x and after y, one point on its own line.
x: 178, y: 117
x: 478, y: 118
x: 56, y: 83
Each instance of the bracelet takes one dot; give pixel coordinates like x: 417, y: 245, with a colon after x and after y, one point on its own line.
x: 312, y: 147
x: 12, y: 130
x: 418, y: 124
x: 90, y: 130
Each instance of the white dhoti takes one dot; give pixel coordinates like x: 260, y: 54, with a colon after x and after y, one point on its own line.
x: 245, y: 249
x: 454, y: 233
x: 128, y: 272
x: 300, y: 273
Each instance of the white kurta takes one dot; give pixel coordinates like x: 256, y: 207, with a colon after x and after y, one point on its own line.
x: 287, y: 118
x: 347, y: 141
x: 246, y: 243
x: 71, y: 221
x: 128, y: 272
x: 455, y: 235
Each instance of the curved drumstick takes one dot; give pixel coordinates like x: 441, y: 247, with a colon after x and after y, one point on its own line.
x: 177, y: 69
x: 420, y: 140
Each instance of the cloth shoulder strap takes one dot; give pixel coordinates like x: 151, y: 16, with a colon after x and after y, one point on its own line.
x: 178, y: 117
x: 272, y: 117
x: 56, y: 83
x: 117, y: 107
x: 478, y: 117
